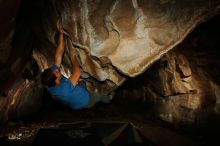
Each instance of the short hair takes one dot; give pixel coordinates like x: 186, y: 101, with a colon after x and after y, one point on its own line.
x: 48, y: 78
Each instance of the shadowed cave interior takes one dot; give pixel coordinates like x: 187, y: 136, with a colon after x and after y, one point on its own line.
x: 140, y: 100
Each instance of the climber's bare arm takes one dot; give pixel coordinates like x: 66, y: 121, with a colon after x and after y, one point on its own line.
x: 60, y: 47
x: 74, y: 78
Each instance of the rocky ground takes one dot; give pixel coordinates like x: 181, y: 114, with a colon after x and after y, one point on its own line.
x: 23, y: 131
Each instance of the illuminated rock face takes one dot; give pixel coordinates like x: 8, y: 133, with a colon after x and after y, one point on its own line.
x: 184, y: 84
x: 115, y: 39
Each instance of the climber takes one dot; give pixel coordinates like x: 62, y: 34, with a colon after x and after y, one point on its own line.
x: 67, y: 90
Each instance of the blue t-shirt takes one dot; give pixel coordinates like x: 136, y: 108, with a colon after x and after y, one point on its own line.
x: 74, y: 96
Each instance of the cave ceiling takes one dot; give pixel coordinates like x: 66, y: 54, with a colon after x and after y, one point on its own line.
x: 114, y: 39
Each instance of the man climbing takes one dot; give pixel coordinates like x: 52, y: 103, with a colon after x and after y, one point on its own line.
x: 67, y: 90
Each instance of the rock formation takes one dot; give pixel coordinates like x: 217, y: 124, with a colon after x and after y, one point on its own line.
x: 115, y: 40
x: 184, y: 84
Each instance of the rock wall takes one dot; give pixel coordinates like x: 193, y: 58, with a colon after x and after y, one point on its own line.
x: 183, y: 86
x: 114, y: 39
x: 118, y: 38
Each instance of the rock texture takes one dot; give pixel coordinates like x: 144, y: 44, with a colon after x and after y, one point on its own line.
x: 184, y: 84
x: 114, y: 39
